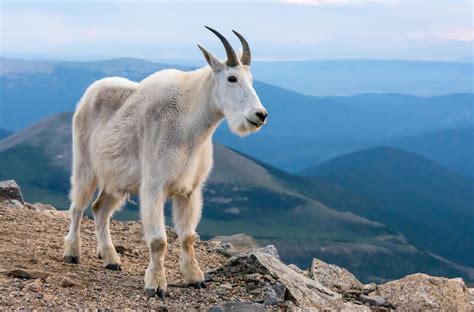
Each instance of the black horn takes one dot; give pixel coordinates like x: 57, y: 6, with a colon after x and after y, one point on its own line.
x: 232, y: 59
x: 246, y: 54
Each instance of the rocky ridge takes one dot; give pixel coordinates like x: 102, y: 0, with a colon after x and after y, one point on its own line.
x: 33, y: 275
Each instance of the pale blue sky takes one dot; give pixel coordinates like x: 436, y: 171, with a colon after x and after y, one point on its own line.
x: 291, y: 29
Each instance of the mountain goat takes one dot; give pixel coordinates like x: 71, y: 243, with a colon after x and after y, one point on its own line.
x: 154, y: 139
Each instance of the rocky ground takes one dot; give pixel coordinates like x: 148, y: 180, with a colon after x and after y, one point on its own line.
x: 34, y: 276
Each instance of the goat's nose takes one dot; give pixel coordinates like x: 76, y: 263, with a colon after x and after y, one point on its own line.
x: 262, y: 115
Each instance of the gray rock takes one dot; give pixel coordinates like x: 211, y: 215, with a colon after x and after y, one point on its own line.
x: 421, y: 292
x: 226, y: 286
x: 304, y: 292
x: 253, y: 277
x: 373, y: 300
x: 227, y: 249
x: 270, y: 249
x: 27, y: 274
x: 69, y: 282
x: 295, y: 268
x: 243, y: 307
x: 471, y: 298
x: 13, y: 203
x: 241, y: 243
x: 334, y: 277
x: 273, y: 294
x: 10, y: 190
x: 40, y: 207
x: 368, y: 288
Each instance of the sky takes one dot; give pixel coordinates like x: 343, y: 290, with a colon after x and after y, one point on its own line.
x: 276, y: 30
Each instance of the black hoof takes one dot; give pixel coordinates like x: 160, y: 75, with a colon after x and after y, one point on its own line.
x: 114, y: 267
x: 198, y: 285
x: 162, y: 294
x: 150, y: 292
x: 71, y: 259
x: 99, y: 256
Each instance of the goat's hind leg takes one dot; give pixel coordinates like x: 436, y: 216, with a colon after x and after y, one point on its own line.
x: 81, y: 193
x: 103, y: 208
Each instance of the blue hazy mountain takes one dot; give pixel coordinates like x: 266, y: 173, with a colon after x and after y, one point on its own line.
x: 431, y: 205
x: 4, y: 133
x: 453, y: 148
x: 32, y: 90
x: 301, y: 130
x: 350, y: 77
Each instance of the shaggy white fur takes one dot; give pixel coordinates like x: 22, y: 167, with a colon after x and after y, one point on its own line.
x: 153, y: 138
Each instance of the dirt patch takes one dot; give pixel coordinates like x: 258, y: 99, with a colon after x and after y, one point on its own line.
x: 32, y: 241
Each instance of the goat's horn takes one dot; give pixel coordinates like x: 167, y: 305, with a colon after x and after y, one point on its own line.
x: 246, y: 55
x: 232, y: 59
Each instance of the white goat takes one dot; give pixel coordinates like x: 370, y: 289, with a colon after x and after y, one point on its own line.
x: 154, y: 138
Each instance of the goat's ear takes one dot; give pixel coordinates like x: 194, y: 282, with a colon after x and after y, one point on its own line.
x: 215, y: 64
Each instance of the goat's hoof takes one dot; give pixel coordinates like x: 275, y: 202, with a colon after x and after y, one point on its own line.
x: 162, y: 294
x: 99, y: 256
x: 199, y: 285
x: 114, y: 267
x: 151, y: 292
x: 71, y: 259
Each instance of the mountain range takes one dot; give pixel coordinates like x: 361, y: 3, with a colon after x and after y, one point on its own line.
x: 416, y: 196
x: 453, y: 148
x: 318, y: 128
x: 349, y: 77
x: 4, y: 133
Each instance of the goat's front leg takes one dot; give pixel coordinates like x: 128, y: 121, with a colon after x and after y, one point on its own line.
x: 152, y: 215
x: 186, y: 215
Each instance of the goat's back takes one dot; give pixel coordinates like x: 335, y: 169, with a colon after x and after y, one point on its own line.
x: 101, y: 101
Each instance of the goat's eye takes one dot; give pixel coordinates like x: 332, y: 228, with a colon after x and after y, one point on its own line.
x: 232, y: 79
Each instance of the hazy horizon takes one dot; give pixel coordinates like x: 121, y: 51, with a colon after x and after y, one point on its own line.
x: 277, y: 30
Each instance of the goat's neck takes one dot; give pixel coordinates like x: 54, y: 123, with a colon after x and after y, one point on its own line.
x: 206, y: 114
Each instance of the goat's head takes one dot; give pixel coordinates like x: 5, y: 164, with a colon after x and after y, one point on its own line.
x: 235, y: 95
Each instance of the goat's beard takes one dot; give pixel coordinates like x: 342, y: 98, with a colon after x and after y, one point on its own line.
x: 239, y: 125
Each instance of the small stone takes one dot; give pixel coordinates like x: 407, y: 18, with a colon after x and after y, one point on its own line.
x: 13, y: 203
x: 334, y: 277
x: 270, y: 249
x: 35, y: 286
x: 68, y: 282
x: 268, y: 277
x: 43, y: 207
x: 27, y: 274
x: 121, y: 249
x: 10, y: 190
x: 373, y: 300
x: 251, y: 285
x: 243, y: 307
x: 253, y: 277
x: 241, y: 243
x: 368, y: 288
x: 295, y: 268
x: 273, y: 294
x: 226, y: 286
